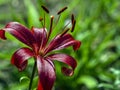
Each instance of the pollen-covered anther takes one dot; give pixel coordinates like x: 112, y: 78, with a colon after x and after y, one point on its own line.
x: 52, y: 17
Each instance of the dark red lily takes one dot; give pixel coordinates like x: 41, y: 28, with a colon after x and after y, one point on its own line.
x: 38, y: 47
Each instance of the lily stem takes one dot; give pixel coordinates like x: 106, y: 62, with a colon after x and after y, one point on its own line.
x: 32, y: 76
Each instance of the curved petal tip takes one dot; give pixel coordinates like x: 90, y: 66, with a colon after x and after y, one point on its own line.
x: 20, y: 57
x: 2, y: 34
x: 77, y: 45
x: 67, y: 71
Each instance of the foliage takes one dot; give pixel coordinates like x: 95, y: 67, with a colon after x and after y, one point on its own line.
x: 98, y: 24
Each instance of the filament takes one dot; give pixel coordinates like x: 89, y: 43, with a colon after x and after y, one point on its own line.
x: 65, y: 31
x: 41, y: 19
x: 51, y: 24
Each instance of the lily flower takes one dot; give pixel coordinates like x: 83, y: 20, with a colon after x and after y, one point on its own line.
x: 39, y: 47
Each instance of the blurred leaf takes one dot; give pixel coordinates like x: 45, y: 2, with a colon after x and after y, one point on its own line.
x: 33, y: 16
x: 89, y: 81
x: 104, y: 85
x: 4, y: 2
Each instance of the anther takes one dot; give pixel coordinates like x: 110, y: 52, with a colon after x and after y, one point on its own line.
x: 73, y: 25
x: 62, y: 10
x: 45, y: 9
x: 72, y: 18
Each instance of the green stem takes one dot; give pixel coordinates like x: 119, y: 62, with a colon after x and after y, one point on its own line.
x: 32, y: 76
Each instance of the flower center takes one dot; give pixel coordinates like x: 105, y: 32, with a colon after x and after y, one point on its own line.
x: 41, y: 53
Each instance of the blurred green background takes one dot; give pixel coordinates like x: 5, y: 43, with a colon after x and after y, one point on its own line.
x: 97, y: 27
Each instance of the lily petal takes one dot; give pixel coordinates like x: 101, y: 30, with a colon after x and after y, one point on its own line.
x: 20, y: 32
x: 19, y: 58
x: 61, y: 42
x: 46, y: 74
x: 40, y: 35
x: 39, y: 86
x: 2, y: 34
x: 65, y: 59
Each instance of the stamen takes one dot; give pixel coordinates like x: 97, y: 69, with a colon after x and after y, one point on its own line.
x: 57, y: 21
x: 62, y: 10
x: 65, y: 31
x: 73, y: 25
x: 44, y: 20
x: 51, y: 24
x: 45, y: 9
x: 59, y: 12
